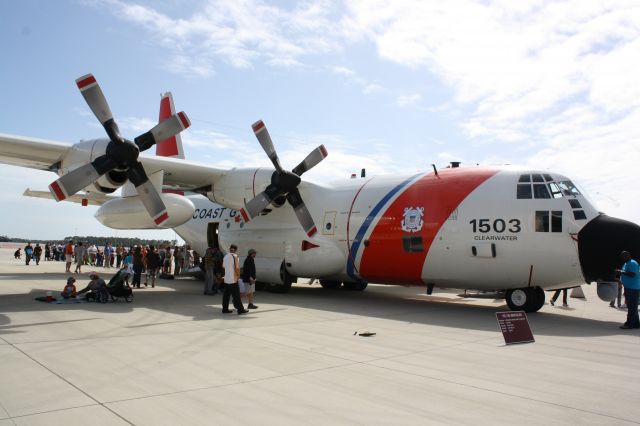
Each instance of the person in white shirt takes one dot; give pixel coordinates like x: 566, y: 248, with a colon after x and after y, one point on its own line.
x: 231, y: 267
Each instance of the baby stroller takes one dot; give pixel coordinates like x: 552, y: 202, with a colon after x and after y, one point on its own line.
x: 117, y: 287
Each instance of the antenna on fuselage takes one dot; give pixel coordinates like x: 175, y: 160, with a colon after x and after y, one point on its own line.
x: 363, y: 173
x: 435, y: 170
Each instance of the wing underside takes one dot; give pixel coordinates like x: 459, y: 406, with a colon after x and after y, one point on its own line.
x: 50, y: 155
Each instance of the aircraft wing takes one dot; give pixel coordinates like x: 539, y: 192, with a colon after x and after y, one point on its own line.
x: 93, y: 198
x: 46, y: 155
x: 31, y: 152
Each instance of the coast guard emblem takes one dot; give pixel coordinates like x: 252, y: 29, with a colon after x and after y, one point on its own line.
x: 412, y: 219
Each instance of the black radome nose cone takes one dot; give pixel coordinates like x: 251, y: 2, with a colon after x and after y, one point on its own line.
x: 600, y: 243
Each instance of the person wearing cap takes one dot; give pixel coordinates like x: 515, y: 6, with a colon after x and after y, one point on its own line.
x: 69, y: 290
x: 249, y: 277
x: 630, y: 277
x: 231, y: 277
x: 97, y: 289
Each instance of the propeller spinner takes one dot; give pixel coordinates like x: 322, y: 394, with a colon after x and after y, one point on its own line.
x: 283, y: 183
x: 121, y: 154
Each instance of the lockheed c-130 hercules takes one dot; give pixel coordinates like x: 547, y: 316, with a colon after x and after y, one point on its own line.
x: 507, y: 229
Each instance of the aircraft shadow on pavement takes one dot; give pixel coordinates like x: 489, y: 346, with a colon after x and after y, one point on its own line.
x: 183, y: 296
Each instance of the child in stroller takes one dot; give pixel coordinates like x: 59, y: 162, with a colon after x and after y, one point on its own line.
x: 119, y: 288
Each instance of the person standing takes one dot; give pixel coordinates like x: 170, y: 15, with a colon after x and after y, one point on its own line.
x: 231, y: 277
x: 28, y: 252
x: 80, y: 251
x: 249, y: 277
x: 37, y: 253
x: 630, y: 277
x: 565, y: 302
x: 153, y: 263
x: 209, y: 276
x: 108, y: 255
x: 119, y: 252
x: 138, y: 264
x: 68, y: 255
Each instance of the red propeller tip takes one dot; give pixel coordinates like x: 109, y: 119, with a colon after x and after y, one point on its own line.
x: 257, y: 126
x: 312, y: 232
x: 57, y: 191
x: 184, y: 120
x: 86, y: 81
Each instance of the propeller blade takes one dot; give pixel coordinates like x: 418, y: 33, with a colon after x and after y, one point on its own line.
x: 163, y: 131
x: 81, y: 177
x: 302, y: 213
x: 314, y: 157
x: 94, y: 97
x: 148, y: 194
x: 260, y: 130
x: 257, y: 204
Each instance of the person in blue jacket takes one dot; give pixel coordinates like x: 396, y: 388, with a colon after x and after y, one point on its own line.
x: 630, y: 277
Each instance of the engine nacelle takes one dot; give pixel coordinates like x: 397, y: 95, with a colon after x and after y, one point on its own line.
x: 240, y: 185
x: 130, y: 213
x: 87, y: 151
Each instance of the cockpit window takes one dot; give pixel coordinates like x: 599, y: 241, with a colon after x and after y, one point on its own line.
x: 542, y: 186
x: 524, y: 191
x: 540, y: 190
x: 556, y: 192
x: 568, y: 188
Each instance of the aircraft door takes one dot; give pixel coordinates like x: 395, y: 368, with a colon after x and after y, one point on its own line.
x: 212, y: 235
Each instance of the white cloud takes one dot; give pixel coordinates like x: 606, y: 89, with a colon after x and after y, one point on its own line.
x: 239, y: 33
x: 408, y: 100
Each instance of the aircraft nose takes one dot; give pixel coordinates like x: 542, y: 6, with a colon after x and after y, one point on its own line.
x: 600, y: 243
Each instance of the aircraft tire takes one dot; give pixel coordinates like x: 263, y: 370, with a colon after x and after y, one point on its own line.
x: 330, y: 284
x: 285, y: 286
x: 525, y: 299
x: 355, y: 286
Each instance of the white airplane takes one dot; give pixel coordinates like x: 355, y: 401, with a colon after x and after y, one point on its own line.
x: 506, y: 229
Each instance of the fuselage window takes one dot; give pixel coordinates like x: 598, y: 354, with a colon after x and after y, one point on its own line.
x: 556, y: 221
x: 579, y: 215
x: 412, y: 244
x: 542, y: 221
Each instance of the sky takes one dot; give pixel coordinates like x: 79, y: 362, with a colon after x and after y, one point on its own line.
x: 390, y: 86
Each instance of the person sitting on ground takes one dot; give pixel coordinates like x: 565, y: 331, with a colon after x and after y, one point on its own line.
x: 17, y: 254
x: 97, y: 289
x: 69, y: 290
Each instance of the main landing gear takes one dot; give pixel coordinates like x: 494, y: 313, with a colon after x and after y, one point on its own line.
x: 529, y: 299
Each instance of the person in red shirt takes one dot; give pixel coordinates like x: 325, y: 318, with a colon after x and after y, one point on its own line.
x: 68, y: 253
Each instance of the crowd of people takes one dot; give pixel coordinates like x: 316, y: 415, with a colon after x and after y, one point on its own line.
x: 222, y: 272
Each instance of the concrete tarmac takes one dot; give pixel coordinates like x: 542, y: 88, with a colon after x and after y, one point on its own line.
x: 172, y: 358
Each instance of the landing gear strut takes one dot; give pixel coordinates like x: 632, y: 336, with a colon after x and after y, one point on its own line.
x: 529, y: 299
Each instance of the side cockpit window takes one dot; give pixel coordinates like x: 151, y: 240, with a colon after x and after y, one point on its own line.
x: 542, y: 186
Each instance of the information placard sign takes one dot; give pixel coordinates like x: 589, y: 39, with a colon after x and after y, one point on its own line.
x: 515, y: 327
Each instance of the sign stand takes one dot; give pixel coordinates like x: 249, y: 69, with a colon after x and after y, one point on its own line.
x: 515, y: 327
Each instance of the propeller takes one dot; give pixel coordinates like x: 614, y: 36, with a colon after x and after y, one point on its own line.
x: 121, y: 154
x: 283, y: 183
